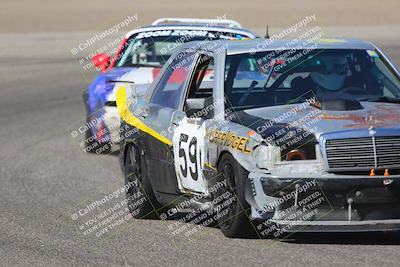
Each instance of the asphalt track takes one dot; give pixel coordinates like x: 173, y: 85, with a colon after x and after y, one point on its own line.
x: 45, y: 178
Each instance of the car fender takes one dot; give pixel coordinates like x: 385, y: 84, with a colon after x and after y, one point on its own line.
x: 233, y: 138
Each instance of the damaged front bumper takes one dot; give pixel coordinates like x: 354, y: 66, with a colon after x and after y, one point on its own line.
x: 112, y: 121
x: 328, y: 203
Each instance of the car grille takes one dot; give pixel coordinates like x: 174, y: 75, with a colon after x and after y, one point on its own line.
x: 363, y: 153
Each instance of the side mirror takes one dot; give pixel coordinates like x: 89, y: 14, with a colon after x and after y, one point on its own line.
x: 200, y: 107
x: 101, y: 61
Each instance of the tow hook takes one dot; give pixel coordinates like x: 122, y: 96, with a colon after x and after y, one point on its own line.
x: 296, y: 196
x: 387, y: 182
x: 349, y: 210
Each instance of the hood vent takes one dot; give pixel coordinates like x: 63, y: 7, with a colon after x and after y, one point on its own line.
x: 336, y: 102
x: 341, y: 105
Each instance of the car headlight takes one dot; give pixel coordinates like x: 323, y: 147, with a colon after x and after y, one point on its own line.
x: 296, y: 154
x: 266, y: 156
x: 299, y: 152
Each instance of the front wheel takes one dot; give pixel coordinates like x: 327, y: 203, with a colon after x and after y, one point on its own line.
x: 234, y: 211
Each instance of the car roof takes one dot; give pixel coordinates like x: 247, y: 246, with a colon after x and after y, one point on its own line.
x: 194, y: 26
x: 262, y: 44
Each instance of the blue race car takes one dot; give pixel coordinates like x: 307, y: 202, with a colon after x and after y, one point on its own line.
x: 139, y: 59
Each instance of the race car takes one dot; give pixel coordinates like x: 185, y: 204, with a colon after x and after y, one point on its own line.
x: 138, y: 61
x: 284, y: 138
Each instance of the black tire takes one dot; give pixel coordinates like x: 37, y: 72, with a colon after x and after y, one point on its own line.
x: 234, y: 222
x: 141, y: 200
x: 92, y: 145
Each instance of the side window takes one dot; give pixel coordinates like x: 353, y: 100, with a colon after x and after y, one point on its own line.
x: 202, y: 82
x: 246, y: 72
x: 200, y: 89
x: 170, y: 89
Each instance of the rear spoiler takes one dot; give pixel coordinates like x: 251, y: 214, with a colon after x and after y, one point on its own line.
x: 216, y: 22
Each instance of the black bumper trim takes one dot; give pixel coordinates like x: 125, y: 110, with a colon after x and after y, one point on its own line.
x: 340, y: 226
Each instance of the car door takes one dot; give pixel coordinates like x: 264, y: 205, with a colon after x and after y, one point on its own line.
x: 157, y: 115
x: 189, y: 128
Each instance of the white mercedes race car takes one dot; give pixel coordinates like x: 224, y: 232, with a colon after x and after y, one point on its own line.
x: 305, y: 138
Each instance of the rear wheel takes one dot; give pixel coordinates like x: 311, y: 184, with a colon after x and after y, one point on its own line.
x: 233, y: 215
x: 141, y: 200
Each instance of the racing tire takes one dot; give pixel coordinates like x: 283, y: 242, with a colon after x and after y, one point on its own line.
x: 141, y: 200
x: 233, y: 218
x: 93, y: 146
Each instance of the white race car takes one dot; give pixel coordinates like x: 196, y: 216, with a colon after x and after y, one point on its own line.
x: 139, y: 60
x: 301, y: 139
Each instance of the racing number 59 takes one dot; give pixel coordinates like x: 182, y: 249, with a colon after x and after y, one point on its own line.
x: 191, y: 153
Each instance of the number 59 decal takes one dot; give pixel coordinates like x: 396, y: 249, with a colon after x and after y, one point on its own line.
x: 188, y: 145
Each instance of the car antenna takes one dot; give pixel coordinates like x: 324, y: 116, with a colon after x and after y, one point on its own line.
x: 266, y: 34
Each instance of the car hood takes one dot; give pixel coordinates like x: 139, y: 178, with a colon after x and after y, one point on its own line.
x: 102, y: 86
x: 104, y: 82
x: 141, y: 75
x: 114, y: 74
x: 268, y: 120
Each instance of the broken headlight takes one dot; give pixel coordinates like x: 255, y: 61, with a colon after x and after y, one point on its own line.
x: 300, y: 152
x: 266, y: 156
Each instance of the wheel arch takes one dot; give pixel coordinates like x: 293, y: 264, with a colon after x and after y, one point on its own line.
x: 234, y: 155
x: 225, y: 152
x: 125, y: 144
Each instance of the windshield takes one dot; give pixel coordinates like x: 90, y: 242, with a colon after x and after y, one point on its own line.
x: 291, y: 76
x: 153, y: 48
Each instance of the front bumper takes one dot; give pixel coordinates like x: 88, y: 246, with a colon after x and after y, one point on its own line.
x: 335, y: 203
x: 113, y: 122
x: 340, y: 226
